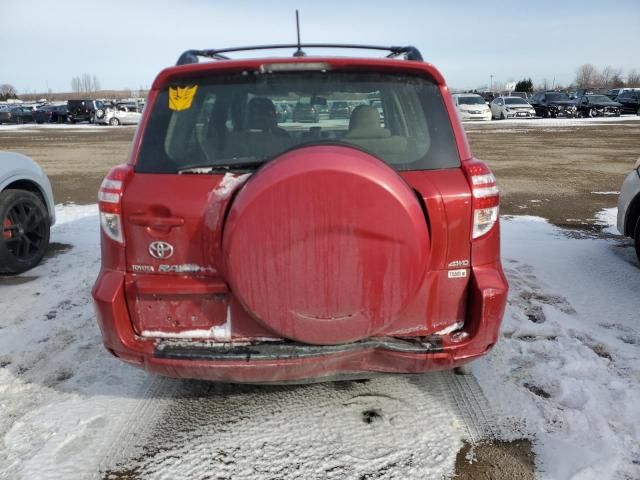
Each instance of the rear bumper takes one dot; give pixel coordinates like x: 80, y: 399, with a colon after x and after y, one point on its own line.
x: 286, y: 362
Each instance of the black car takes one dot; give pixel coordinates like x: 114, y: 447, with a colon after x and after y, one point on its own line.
x: 51, y: 114
x: 340, y: 110
x: 305, y: 112
x: 83, y: 110
x: 553, y: 104
x: 597, y: 106
x: 630, y: 101
x: 17, y: 115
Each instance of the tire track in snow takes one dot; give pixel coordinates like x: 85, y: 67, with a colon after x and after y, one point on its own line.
x: 388, y: 427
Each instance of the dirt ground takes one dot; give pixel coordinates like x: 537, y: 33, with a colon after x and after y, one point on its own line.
x: 551, y: 172
x: 554, y: 172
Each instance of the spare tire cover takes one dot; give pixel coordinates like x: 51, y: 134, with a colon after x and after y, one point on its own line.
x: 325, y: 245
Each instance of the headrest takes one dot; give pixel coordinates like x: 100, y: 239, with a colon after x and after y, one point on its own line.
x: 365, y: 123
x: 261, y: 114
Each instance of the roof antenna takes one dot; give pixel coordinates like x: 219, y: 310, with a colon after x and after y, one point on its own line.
x: 298, y: 52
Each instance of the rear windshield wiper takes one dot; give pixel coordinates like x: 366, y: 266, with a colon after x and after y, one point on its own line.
x: 200, y: 169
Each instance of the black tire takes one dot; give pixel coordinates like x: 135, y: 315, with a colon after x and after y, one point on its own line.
x: 114, y: 122
x: 592, y: 113
x: 72, y: 120
x: 636, y: 238
x: 25, y: 231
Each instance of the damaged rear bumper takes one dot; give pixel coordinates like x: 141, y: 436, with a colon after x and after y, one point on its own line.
x: 268, y: 362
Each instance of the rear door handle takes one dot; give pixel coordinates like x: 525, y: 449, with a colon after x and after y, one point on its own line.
x: 156, y: 222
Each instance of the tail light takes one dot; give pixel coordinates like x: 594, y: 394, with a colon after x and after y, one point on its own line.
x: 110, y: 202
x: 486, y: 197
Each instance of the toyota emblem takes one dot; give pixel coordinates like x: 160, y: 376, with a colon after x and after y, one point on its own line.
x: 160, y: 250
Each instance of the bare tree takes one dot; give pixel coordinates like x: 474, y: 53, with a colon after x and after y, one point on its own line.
x: 586, y: 76
x: 616, y: 80
x: 76, y: 85
x: 633, y: 78
x: 7, y: 91
x: 85, y: 84
x: 95, y: 83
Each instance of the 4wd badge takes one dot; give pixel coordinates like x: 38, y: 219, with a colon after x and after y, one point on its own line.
x: 160, y: 250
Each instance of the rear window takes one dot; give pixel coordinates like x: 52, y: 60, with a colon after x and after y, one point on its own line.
x: 239, y: 121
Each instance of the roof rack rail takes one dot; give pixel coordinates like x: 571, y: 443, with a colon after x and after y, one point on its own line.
x: 191, y: 56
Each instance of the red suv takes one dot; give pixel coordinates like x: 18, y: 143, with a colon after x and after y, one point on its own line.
x: 236, y: 248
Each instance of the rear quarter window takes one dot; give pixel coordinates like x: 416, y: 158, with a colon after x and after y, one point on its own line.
x: 243, y: 119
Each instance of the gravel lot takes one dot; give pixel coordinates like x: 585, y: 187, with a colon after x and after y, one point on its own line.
x: 562, y: 170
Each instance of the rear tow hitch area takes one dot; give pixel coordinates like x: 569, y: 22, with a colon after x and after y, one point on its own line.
x: 180, y: 350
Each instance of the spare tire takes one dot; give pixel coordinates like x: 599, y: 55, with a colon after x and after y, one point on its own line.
x: 325, y: 245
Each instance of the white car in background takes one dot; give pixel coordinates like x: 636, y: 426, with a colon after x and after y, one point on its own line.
x: 27, y: 213
x: 115, y: 115
x: 471, y: 106
x: 511, y: 107
x: 629, y: 207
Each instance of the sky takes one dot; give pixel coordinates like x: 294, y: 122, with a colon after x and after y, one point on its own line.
x: 43, y: 44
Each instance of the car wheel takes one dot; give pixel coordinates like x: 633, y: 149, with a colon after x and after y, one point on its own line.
x: 114, y: 122
x: 25, y: 231
x: 636, y: 239
x: 593, y: 112
x: 72, y: 120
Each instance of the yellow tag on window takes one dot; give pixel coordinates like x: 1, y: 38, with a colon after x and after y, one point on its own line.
x: 180, y: 98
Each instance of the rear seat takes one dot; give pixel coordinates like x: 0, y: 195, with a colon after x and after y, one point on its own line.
x: 365, y: 132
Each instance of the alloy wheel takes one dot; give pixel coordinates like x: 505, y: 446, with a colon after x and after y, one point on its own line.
x: 23, y: 230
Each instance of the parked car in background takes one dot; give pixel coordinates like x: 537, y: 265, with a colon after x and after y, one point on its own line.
x: 488, y: 96
x: 19, y: 114
x: 26, y: 213
x: 597, y: 106
x: 83, y: 110
x: 340, y: 110
x: 511, y: 107
x: 471, y: 106
x: 523, y: 95
x: 629, y: 207
x: 630, y: 101
x: 553, y: 104
x: 305, y: 112
x: 235, y: 250
x: 50, y: 114
x: 613, y: 93
x: 282, y: 112
x: 115, y: 115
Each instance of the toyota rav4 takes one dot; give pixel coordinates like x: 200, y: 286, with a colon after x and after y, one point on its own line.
x: 236, y: 248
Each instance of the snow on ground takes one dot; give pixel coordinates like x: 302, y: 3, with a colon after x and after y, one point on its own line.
x: 566, y: 371
x: 567, y: 368
x: 63, y: 400
x: 608, y: 218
